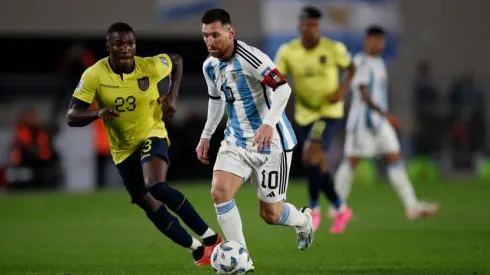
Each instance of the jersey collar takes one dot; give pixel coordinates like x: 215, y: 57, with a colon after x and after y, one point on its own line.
x: 133, y: 67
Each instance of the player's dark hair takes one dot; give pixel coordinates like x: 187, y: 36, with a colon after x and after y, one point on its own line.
x: 214, y: 15
x: 310, y: 12
x: 119, y: 27
x: 375, y: 30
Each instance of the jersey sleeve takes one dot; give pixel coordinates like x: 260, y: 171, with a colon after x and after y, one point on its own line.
x: 261, y: 67
x: 208, y: 72
x: 343, y: 56
x: 362, y: 75
x: 281, y: 61
x: 87, y: 87
x: 163, y: 65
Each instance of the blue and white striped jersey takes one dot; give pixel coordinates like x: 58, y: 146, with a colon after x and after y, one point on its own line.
x: 246, y: 82
x: 370, y: 72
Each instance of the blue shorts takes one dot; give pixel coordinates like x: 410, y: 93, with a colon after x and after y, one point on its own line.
x: 131, y: 170
x: 322, y: 130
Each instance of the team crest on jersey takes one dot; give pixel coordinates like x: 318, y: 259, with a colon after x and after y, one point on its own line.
x: 144, y: 83
x: 234, y: 76
x: 323, y: 59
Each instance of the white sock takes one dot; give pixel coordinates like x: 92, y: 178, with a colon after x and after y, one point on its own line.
x: 208, y: 233
x: 195, y: 245
x: 230, y: 221
x: 291, y: 216
x: 401, y: 183
x: 343, y: 180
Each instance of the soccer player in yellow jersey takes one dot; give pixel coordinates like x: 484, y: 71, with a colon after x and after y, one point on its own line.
x: 313, y: 62
x: 124, y: 86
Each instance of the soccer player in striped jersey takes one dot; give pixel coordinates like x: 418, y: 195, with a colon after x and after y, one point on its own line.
x: 259, y: 139
x: 370, y: 127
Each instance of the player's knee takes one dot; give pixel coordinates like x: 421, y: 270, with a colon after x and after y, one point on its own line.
x: 224, y: 186
x: 354, y: 162
x: 313, y: 155
x: 393, y: 157
x: 220, y: 193
x: 150, y: 181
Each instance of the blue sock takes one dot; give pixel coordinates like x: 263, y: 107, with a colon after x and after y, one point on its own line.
x: 314, y: 175
x: 178, y: 203
x: 170, y: 226
x: 327, y: 184
x: 284, y: 215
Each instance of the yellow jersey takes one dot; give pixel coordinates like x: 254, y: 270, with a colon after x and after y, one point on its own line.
x: 134, y: 96
x: 315, y: 76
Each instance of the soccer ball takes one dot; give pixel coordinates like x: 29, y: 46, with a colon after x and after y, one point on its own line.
x: 230, y: 257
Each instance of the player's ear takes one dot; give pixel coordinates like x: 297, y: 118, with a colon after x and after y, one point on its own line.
x: 232, y: 32
x: 107, y: 46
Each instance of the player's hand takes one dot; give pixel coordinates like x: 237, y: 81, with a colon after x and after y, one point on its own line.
x: 202, y: 150
x: 107, y: 114
x: 263, y: 137
x: 335, y: 97
x: 168, y: 105
x: 392, y: 120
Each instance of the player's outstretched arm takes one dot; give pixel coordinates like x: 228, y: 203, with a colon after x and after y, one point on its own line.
x: 80, y: 116
x: 168, y: 101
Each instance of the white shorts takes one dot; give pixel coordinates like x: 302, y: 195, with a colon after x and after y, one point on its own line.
x: 269, y: 172
x: 366, y: 143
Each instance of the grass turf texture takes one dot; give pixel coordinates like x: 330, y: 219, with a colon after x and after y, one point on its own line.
x: 101, y: 233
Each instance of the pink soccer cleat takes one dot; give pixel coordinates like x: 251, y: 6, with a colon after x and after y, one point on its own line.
x: 317, y: 218
x: 341, y: 221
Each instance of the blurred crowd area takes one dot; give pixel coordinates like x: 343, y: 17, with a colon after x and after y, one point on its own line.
x: 449, y: 125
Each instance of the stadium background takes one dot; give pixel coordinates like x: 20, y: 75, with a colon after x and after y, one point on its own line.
x: 450, y: 36
x: 445, y: 137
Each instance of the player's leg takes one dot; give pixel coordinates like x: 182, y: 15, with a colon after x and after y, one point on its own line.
x: 132, y: 175
x: 272, y: 182
x: 389, y: 145
x: 312, y: 177
x: 354, y: 148
x: 343, y: 177
x: 155, y: 160
x: 325, y: 130
x: 229, y: 174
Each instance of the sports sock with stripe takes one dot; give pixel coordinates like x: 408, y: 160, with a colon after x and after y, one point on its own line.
x: 230, y: 221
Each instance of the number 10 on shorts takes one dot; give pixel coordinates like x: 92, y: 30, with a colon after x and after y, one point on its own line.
x: 270, y: 180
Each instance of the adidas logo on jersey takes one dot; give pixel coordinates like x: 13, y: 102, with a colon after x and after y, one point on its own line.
x: 271, y: 195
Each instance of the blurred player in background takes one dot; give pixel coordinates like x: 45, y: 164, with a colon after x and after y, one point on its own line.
x: 313, y: 63
x: 124, y: 87
x: 370, y: 127
x: 259, y: 139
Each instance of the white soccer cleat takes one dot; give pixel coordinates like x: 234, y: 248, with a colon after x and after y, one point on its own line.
x: 422, y: 210
x: 304, y: 235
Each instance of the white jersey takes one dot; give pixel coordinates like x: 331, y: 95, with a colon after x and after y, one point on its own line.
x: 244, y: 83
x: 370, y: 72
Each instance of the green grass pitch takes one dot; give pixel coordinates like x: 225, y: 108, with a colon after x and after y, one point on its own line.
x: 102, y: 233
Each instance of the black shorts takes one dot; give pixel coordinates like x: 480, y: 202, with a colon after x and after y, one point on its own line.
x: 131, y: 170
x: 322, y: 130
